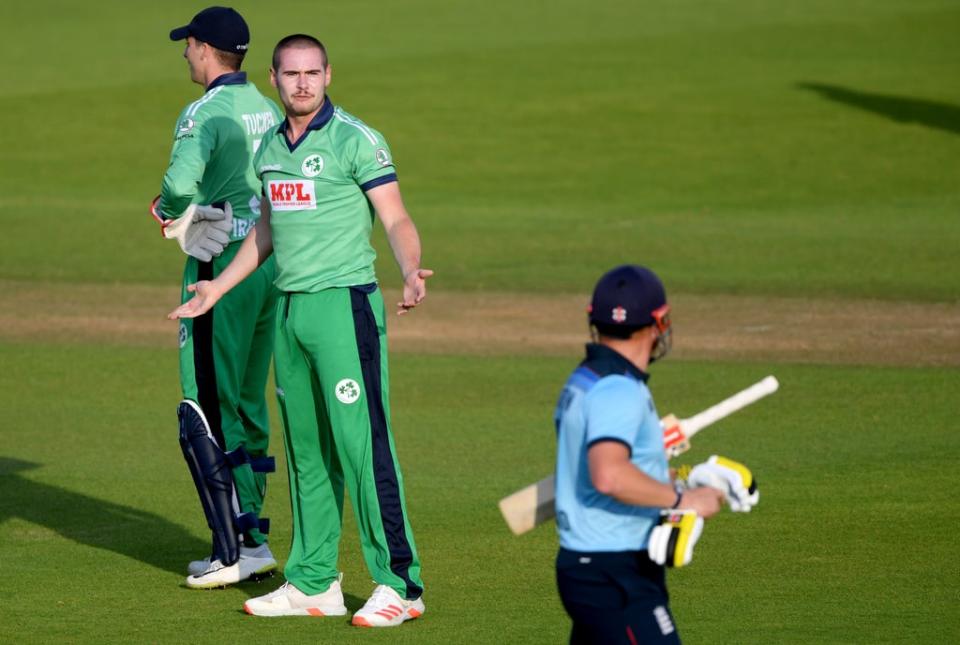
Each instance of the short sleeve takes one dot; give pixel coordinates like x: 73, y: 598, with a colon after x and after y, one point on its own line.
x: 372, y: 163
x: 615, y: 411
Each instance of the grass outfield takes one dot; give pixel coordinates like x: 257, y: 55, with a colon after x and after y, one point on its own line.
x: 852, y: 542
x: 778, y: 154
x: 739, y: 146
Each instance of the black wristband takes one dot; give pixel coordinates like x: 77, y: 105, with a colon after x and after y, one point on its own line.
x: 679, y: 497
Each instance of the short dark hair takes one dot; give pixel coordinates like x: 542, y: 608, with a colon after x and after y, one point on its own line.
x: 623, y: 332
x: 301, y: 41
x: 230, y: 60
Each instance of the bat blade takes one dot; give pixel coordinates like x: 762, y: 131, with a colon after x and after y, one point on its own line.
x: 529, y: 507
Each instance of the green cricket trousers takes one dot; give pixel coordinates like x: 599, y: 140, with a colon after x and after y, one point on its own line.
x: 224, y: 363
x: 332, y: 385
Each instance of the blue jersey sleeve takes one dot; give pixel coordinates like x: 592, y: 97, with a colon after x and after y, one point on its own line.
x: 615, y: 411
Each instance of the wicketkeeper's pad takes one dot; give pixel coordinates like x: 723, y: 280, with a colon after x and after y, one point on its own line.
x: 672, y: 541
x: 735, y: 480
x: 201, y: 231
x: 211, y: 469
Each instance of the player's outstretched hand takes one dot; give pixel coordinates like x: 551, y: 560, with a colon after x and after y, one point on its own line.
x: 206, y: 296
x: 414, y: 290
x: 706, y: 501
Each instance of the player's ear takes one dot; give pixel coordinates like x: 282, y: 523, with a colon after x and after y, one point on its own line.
x: 273, y: 77
x: 329, y: 75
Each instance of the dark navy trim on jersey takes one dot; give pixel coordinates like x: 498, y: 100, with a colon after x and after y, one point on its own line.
x: 204, y: 367
x: 320, y: 119
x: 231, y: 78
x: 594, y: 442
x: 583, y: 378
x: 378, y: 181
x: 604, y: 361
x: 370, y: 287
x: 384, y: 471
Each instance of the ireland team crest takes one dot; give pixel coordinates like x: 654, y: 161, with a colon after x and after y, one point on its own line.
x: 347, y: 391
x: 312, y: 166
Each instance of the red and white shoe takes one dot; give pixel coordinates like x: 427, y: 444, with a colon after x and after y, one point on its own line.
x: 290, y: 601
x: 386, y: 608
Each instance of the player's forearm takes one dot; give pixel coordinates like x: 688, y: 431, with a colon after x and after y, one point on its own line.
x: 628, y: 485
x: 254, y: 251
x: 612, y: 473
x: 401, y: 232
x: 405, y: 244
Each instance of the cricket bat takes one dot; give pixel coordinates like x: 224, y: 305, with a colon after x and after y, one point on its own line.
x: 533, y: 505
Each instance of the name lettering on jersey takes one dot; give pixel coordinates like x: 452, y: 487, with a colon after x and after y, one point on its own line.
x: 258, y: 122
x: 292, y: 195
x: 312, y: 166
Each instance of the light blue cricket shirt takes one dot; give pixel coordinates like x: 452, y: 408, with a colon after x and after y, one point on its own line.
x: 605, y: 399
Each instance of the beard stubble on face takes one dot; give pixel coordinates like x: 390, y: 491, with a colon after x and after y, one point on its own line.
x: 303, y: 105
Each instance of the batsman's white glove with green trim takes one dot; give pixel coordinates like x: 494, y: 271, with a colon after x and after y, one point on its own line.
x: 672, y: 541
x: 201, y: 231
x: 734, y: 479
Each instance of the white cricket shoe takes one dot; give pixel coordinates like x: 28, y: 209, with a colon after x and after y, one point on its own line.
x: 216, y: 575
x: 247, y: 567
x: 386, y: 608
x: 259, y: 560
x: 290, y: 601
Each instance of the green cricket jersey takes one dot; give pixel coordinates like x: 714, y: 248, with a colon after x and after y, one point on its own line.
x: 321, y: 219
x: 214, y: 142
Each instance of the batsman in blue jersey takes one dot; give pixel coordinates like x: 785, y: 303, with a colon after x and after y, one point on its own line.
x: 612, y: 478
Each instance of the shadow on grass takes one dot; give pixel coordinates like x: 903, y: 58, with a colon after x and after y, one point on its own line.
x: 95, y: 522
x: 932, y: 114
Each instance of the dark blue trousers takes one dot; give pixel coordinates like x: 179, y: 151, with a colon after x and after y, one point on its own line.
x: 615, y: 597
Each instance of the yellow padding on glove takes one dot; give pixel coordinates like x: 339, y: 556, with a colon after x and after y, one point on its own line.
x: 671, y: 542
x: 732, y: 478
x: 745, y: 473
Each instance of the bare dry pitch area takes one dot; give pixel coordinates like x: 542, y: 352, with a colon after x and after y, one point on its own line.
x: 705, y: 326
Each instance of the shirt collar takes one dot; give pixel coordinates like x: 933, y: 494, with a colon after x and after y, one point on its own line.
x: 230, y: 78
x: 320, y: 119
x: 605, y: 361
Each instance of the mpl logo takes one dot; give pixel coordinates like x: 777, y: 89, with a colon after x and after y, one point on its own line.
x: 292, y: 195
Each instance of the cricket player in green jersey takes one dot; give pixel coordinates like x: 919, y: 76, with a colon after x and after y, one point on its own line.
x: 324, y: 175
x: 210, y: 203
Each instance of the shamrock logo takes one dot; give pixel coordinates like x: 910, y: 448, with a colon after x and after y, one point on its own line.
x: 312, y: 166
x: 347, y: 391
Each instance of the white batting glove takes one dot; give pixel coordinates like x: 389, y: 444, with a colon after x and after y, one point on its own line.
x: 201, y: 231
x: 672, y: 541
x: 732, y: 478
